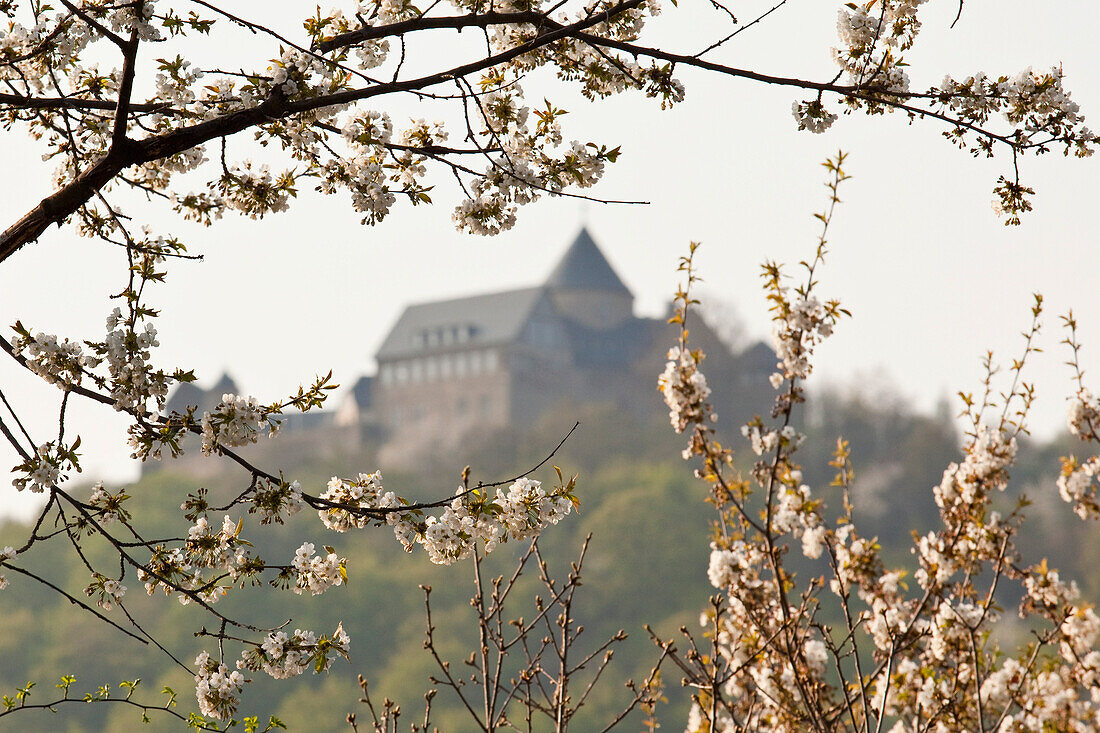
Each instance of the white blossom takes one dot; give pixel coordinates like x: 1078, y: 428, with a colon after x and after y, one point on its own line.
x: 235, y: 421
x: 684, y: 388
x: 812, y: 116
x: 216, y: 688
x: 57, y: 362
x: 315, y: 573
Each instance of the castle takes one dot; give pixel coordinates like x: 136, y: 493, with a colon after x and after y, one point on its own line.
x: 503, y: 360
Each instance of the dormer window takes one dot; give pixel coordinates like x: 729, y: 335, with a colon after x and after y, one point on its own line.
x: 449, y: 335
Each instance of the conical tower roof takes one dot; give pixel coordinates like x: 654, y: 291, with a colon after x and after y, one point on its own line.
x: 183, y: 396
x: 225, y: 385
x: 585, y: 268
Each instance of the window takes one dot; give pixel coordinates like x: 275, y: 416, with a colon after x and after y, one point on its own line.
x: 491, y: 361
x: 417, y: 370
x: 401, y: 373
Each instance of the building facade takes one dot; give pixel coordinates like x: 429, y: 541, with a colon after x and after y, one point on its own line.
x: 453, y: 368
x: 504, y: 359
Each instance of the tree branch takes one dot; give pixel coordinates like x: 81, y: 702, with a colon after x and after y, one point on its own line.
x: 24, y: 102
x: 62, y: 204
x: 456, y: 22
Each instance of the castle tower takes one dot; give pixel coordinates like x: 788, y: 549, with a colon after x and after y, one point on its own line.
x: 585, y: 288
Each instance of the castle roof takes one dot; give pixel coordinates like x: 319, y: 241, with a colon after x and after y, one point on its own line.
x: 583, y: 267
x: 183, y: 396
x: 479, y: 320
x: 361, y: 391
x: 225, y: 385
x: 758, y: 358
x: 496, y: 318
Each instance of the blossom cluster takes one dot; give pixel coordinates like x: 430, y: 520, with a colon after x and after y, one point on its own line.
x: 282, y: 656
x: 364, y: 493
x: 529, y: 160
x: 765, y: 440
x: 872, y: 39
x: 521, y: 511
x: 127, y: 19
x: 108, y: 591
x: 57, y: 362
x: 276, y: 501
x: 235, y: 421
x: 798, y: 326
x: 131, y: 380
x: 211, y: 560
x: 812, y: 116
x: 217, y: 689
x: 316, y: 573
x: 1077, y: 482
x: 255, y: 191
x: 1084, y: 416
x: 684, y: 388
x: 210, y: 547
x: 363, y: 171
x: 109, y: 507
x: 736, y: 564
x: 1033, y: 101
x: 6, y: 554
x: 984, y: 469
x: 1077, y: 485
x: 126, y: 349
x: 46, y: 468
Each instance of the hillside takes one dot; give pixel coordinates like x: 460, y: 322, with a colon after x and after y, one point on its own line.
x: 646, y: 564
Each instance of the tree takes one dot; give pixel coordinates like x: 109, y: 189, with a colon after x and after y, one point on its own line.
x: 161, y: 132
x: 850, y: 644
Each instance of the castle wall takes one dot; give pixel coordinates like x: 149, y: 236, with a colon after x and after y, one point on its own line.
x: 435, y: 400
x: 536, y: 385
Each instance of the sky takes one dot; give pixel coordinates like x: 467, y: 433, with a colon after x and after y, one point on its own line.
x: 932, y: 277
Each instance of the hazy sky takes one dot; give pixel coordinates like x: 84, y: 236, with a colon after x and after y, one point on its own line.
x: 931, y: 276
